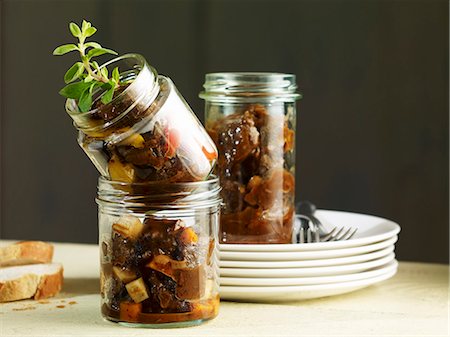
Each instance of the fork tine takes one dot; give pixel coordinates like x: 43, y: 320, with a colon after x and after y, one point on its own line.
x: 302, y: 235
x: 337, y: 234
x: 351, y: 234
x: 344, y: 235
x: 308, y: 235
x: 316, y: 236
x: 329, y: 235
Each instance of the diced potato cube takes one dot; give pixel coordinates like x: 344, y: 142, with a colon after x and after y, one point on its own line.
x: 120, y: 171
x: 130, y: 311
x: 128, y: 226
x: 124, y: 275
x: 135, y: 140
x: 166, y: 265
x: 137, y: 290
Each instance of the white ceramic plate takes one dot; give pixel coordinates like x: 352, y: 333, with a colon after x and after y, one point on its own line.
x: 306, y: 272
x: 297, y: 281
x: 308, y: 263
x: 295, y: 293
x: 305, y: 255
x: 370, y: 229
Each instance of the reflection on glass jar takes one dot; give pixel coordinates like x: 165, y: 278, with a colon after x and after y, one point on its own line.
x: 147, y: 133
x: 251, y: 118
x: 158, y: 252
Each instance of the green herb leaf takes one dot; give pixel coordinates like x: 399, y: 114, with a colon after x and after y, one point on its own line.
x: 96, y: 67
x: 100, y: 51
x: 93, y: 85
x: 116, y: 74
x: 74, y: 90
x: 92, y: 44
x: 85, y: 101
x: 108, y: 95
x: 64, y: 49
x: 104, y: 72
x: 74, y: 72
x: 88, y: 72
x: 88, y: 78
x: 90, y: 31
x: 85, y: 25
x: 74, y: 29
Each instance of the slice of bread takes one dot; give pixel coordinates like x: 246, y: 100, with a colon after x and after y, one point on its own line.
x: 32, y: 281
x: 26, y: 252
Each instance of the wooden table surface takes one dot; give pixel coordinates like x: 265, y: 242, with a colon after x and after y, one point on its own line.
x: 415, y: 302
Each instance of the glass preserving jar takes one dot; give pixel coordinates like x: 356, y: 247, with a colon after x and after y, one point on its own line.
x: 147, y: 132
x: 251, y: 118
x: 158, y: 252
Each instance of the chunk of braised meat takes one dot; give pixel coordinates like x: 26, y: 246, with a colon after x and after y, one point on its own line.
x: 250, y: 166
x: 270, y: 191
x: 236, y: 137
x: 158, y: 236
x: 151, y: 153
x: 110, y: 111
x: 162, y: 290
x: 169, y: 237
x: 237, y: 222
x: 256, y: 223
x: 289, y: 139
x: 260, y: 114
x: 144, y: 249
x: 123, y: 251
x: 233, y: 193
x: 148, y: 156
x: 116, y: 292
x: 171, y: 171
x: 190, y: 283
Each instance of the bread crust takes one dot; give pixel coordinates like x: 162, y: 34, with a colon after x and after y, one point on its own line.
x: 50, y: 285
x: 26, y: 252
x: 31, y: 285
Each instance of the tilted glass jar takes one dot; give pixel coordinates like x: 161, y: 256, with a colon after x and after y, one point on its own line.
x: 147, y: 132
x: 158, y: 252
x: 251, y: 118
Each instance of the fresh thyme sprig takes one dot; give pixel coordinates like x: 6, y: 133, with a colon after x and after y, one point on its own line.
x: 88, y: 72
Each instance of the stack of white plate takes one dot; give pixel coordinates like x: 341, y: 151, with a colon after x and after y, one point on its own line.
x: 279, y: 272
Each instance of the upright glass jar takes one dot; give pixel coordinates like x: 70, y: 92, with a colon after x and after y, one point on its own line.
x: 147, y: 132
x: 251, y: 118
x: 158, y: 252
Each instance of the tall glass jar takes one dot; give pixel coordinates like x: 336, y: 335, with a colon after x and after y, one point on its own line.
x: 158, y: 252
x: 251, y: 118
x: 147, y: 132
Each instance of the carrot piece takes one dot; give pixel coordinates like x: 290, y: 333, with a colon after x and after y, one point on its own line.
x: 209, y: 155
x: 173, y: 140
x: 188, y: 236
x: 130, y: 311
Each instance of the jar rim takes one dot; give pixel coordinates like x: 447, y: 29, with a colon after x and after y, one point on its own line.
x: 212, y: 179
x: 140, y: 65
x: 154, y: 194
x: 247, y: 85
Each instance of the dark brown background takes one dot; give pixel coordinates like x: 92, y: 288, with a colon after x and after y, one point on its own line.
x: 372, y: 128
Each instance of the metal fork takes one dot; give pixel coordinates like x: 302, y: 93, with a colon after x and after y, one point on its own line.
x: 309, y: 236
x: 316, y: 231
x: 336, y: 234
x: 341, y: 234
x: 306, y: 231
x: 307, y: 209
